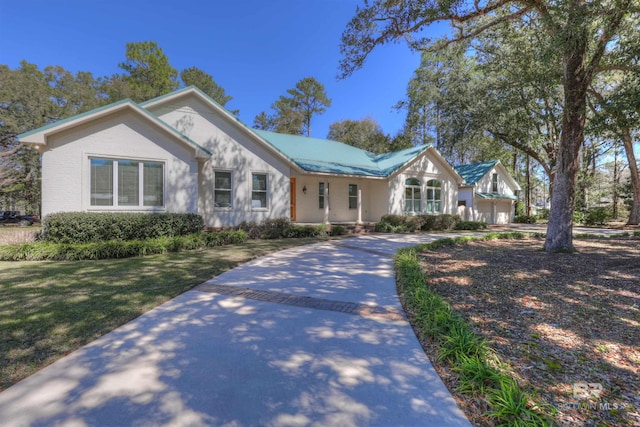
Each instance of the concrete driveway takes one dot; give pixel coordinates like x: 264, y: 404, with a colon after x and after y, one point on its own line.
x: 310, y: 336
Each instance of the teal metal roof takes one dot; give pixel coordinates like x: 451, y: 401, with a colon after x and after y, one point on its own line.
x: 475, y: 171
x: 325, y: 156
x: 496, y: 196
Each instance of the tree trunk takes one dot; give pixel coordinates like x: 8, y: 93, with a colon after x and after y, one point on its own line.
x: 528, y: 195
x: 634, y: 215
x: 616, y: 181
x: 560, y: 228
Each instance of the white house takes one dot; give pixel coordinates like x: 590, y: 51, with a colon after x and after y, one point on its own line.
x: 489, y: 193
x: 183, y: 152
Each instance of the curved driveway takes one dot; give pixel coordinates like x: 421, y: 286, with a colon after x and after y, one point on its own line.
x: 310, y: 336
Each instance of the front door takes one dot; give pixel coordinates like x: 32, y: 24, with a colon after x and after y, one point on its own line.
x: 292, y: 198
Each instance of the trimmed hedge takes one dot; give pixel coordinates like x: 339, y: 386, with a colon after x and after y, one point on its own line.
x: 471, y: 225
x: 525, y: 219
x: 42, y: 251
x: 86, y: 227
x: 278, y: 228
x: 409, y: 223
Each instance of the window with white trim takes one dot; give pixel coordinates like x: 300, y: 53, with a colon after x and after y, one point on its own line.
x: 126, y: 183
x: 222, y: 189
x: 434, y: 196
x: 259, y: 182
x: 353, y: 196
x: 321, y: 200
x: 494, y: 183
x: 412, y: 196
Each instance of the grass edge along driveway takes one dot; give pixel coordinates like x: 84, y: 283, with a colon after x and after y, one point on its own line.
x: 50, y: 308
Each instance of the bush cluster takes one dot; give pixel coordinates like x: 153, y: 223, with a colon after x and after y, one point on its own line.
x: 597, y: 216
x: 479, y: 370
x: 471, y: 225
x: 278, y: 228
x: 41, y: 251
x: 525, y: 219
x: 410, y: 223
x: 85, y: 227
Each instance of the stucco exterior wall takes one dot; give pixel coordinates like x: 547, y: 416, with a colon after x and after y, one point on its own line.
x: 66, y: 170
x: 235, y: 151
x: 425, y: 168
x: 494, y: 211
x: 485, y: 184
x: 466, y: 212
x: 307, y: 205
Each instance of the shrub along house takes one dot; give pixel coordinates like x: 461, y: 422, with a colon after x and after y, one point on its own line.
x: 489, y: 193
x: 183, y: 152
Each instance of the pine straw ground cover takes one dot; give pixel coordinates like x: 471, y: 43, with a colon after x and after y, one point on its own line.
x: 566, y: 323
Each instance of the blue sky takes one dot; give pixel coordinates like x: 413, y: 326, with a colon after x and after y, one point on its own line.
x: 255, y: 49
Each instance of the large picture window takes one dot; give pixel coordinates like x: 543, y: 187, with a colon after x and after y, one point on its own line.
x: 222, y: 189
x: 434, y: 196
x: 259, y: 190
x: 412, y: 196
x: 126, y: 183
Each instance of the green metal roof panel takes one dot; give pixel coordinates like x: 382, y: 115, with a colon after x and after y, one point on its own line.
x: 390, y: 162
x: 496, y: 196
x: 474, y: 172
x: 326, y: 156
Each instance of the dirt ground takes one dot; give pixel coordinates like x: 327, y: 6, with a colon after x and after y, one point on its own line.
x: 568, y: 324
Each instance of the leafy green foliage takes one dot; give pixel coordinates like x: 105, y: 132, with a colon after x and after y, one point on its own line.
x: 278, y: 228
x: 597, y: 216
x: 148, y: 70
x: 194, y: 76
x: 293, y: 113
x: 510, y: 406
x: 480, y: 371
x: 41, y: 251
x: 84, y: 227
x: 525, y: 219
x: 365, y: 134
x: 303, y: 231
x: 570, y: 46
x: 471, y: 225
x: 338, y: 230
x: 406, y: 223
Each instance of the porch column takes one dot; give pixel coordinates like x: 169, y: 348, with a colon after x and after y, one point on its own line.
x: 326, y: 203
x: 359, y: 206
x: 494, y: 219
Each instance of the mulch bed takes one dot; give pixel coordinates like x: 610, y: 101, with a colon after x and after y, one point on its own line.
x: 568, y: 324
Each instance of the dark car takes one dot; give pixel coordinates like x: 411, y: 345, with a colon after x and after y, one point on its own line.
x: 14, y: 217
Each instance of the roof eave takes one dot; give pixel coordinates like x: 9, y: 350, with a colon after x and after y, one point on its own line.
x: 39, y: 137
x: 441, y: 159
x: 342, y: 175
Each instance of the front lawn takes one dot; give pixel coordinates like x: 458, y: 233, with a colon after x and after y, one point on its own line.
x: 49, y: 309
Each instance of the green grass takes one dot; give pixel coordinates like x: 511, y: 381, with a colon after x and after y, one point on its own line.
x: 480, y: 373
x: 48, y: 309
